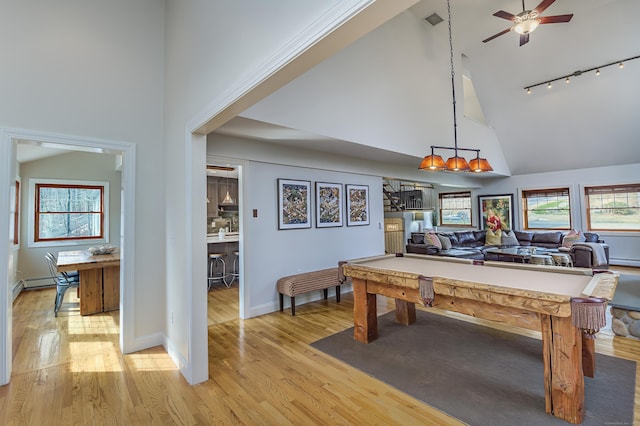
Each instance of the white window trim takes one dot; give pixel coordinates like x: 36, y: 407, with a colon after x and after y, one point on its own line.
x: 583, y: 211
x: 32, y: 208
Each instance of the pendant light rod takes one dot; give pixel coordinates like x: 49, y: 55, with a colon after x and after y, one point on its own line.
x: 453, y: 85
x: 435, y: 162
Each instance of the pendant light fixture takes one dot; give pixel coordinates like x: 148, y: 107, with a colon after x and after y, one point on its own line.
x: 456, y: 163
x: 227, y: 198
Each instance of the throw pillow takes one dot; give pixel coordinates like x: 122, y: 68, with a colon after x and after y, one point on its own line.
x: 430, y: 238
x: 445, y: 241
x: 572, y: 237
x: 509, y: 239
x: 493, y: 238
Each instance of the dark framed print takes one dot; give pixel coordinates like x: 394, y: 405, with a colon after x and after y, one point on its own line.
x: 294, y: 204
x: 357, y: 205
x: 328, y: 204
x: 496, y: 211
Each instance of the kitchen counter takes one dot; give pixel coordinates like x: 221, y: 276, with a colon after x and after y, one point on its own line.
x: 231, y: 237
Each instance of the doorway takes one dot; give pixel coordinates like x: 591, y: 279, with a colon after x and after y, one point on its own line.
x: 9, y: 139
x: 224, y: 233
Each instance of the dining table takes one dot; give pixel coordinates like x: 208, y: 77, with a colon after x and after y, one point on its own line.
x: 99, y: 279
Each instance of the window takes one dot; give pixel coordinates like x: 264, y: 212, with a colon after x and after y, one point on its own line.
x: 455, y: 208
x: 547, y: 209
x: 613, y: 208
x: 68, y: 211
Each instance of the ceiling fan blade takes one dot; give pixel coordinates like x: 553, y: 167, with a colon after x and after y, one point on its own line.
x: 555, y: 19
x: 504, y: 15
x: 496, y: 35
x: 524, y: 39
x: 543, y: 6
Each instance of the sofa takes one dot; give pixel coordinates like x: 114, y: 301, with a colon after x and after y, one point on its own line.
x: 589, y: 252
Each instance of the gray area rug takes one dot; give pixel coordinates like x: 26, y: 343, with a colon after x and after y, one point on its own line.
x: 627, y: 295
x: 477, y: 374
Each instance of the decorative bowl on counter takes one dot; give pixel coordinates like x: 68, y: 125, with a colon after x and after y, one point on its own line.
x: 103, y: 249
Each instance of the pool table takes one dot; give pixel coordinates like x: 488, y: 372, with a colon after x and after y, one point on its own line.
x: 566, y: 304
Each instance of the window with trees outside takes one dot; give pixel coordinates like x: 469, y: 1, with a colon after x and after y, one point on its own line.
x: 613, y: 208
x: 547, y: 209
x: 69, y: 211
x: 455, y: 208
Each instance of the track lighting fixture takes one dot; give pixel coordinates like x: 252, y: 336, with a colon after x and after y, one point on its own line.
x: 567, y: 78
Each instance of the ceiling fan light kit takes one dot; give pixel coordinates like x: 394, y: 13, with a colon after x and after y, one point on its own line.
x: 456, y: 163
x: 528, y: 20
x: 567, y: 77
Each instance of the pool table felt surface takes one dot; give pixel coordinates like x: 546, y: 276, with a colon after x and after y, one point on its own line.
x: 551, y: 282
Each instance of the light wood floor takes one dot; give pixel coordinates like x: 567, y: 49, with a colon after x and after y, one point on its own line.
x: 68, y: 370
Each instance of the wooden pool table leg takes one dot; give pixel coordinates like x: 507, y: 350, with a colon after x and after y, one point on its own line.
x: 405, y: 312
x: 563, y: 376
x: 588, y: 356
x: 365, y: 319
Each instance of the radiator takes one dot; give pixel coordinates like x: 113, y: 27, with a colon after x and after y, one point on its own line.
x: 17, y: 288
x: 38, y: 282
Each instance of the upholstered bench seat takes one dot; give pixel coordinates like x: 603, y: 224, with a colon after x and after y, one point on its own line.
x: 294, y: 285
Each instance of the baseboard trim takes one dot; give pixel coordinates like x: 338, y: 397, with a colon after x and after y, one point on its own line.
x: 625, y: 262
x: 148, y: 341
x: 312, y: 296
x: 17, y: 288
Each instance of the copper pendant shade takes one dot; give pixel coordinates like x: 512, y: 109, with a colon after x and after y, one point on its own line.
x: 432, y: 162
x: 480, y: 165
x: 457, y: 164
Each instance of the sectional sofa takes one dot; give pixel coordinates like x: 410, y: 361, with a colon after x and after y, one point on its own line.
x: 589, y: 252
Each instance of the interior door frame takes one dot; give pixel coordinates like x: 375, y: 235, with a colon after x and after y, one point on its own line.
x: 8, y: 140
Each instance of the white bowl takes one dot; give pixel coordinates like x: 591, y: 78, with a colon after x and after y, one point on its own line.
x: 101, y: 250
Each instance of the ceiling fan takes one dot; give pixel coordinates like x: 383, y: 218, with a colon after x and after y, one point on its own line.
x: 528, y: 20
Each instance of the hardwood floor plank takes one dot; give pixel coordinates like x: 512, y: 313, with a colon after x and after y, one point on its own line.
x: 68, y: 370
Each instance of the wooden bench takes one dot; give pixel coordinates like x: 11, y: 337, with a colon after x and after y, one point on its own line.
x: 293, y: 285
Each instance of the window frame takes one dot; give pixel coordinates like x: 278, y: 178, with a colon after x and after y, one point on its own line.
x: 33, y: 240
x: 15, y: 213
x: 460, y: 194
x: 525, y: 211
x: 587, y: 208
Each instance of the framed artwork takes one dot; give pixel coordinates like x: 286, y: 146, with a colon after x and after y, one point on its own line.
x: 328, y: 204
x: 294, y: 204
x: 496, y: 211
x: 357, y: 205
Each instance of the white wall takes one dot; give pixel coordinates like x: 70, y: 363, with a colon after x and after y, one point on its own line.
x: 95, y: 70
x: 366, y: 94
x: 624, y: 247
x: 216, y: 52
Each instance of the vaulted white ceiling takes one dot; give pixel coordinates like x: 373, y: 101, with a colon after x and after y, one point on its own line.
x: 591, y: 121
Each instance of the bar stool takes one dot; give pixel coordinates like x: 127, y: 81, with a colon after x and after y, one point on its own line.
x: 235, y: 273
x: 217, y: 269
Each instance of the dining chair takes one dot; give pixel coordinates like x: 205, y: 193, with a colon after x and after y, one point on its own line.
x: 62, y: 280
x: 70, y: 275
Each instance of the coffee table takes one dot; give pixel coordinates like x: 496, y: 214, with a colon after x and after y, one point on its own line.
x: 518, y: 254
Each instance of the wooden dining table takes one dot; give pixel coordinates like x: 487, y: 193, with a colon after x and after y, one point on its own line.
x: 99, y: 279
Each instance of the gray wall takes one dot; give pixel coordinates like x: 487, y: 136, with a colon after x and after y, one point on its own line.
x: 270, y: 253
